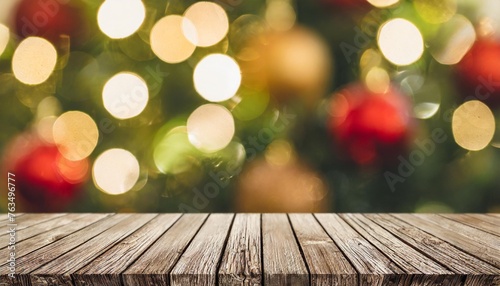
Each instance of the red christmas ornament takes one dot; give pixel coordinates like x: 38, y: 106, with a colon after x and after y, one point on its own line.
x: 479, y: 72
x: 51, y: 19
x: 372, y: 128
x: 45, y: 179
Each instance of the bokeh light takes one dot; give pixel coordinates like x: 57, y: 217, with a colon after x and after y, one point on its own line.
x: 453, y: 40
x: 120, y: 18
x: 210, y: 22
x: 210, y: 127
x: 377, y: 80
x: 217, y: 77
x: 383, y: 3
x: 426, y: 95
x: 4, y: 37
x: 174, y: 153
x: 473, y: 125
x: 168, y: 41
x: 34, y: 60
x: 400, y: 42
x: 125, y: 95
x: 75, y: 134
x: 73, y: 171
x: 250, y: 104
x: 115, y: 171
x: 435, y: 11
x: 280, y: 15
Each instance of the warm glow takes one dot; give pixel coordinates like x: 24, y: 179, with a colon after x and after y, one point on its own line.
x: 34, y: 60
x: 400, y: 42
x: 168, y: 41
x: 453, y: 40
x: 75, y: 134
x: 210, y: 22
x: 279, y: 153
x: 473, y: 125
x: 44, y: 128
x: 217, y: 77
x: 4, y: 38
x: 210, y: 127
x: 120, y: 18
x: 280, y: 15
x: 383, y: 3
x: 377, y: 80
x: 125, y: 95
x: 115, y: 171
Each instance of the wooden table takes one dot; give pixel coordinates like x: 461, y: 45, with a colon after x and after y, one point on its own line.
x: 254, y: 249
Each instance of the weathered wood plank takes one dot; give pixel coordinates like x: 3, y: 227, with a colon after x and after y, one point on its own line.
x: 198, y: 264
x: 487, y: 218
x: 241, y: 262
x: 45, y: 226
x: 424, y: 270
x: 327, y: 264
x: 374, y: 268
x: 283, y: 262
x: 38, y: 241
x: 28, y: 220
x: 106, y: 269
x: 477, y: 271
x: 60, y: 268
x: 37, y: 258
x: 164, y: 252
x: 478, y: 243
x: 475, y: 222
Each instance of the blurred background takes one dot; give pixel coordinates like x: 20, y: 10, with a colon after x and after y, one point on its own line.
x: 250, y: 106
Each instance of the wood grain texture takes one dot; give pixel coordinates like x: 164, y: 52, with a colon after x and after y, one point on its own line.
x: 28, y: 263
x: 482, y: 222
x: 41, y: 227
x: 28, y: 220
x: 327, y: 264
x: 104, y: 269
x: 473, y: 241
x: 255, y: 249
x: 59, y: 269
x: 477, y: 272
x: 424, y: 271
x: 242, y: 262
x: 283, y: 263
x: 374, y: 267
x: 153, y: 267
x: 198, y: 264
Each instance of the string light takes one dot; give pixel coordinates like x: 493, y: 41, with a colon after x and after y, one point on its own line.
x: 75, y: 134
x: 120, y: 18
x: 125, y: 95
x: 210, y: 22
x: 168, y: 40
x: 400, y: 42
x: 34, y: 60
x: 210, y: 127
x: 473, y: 125
x: 115, y: 171
x: 217, y: 77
